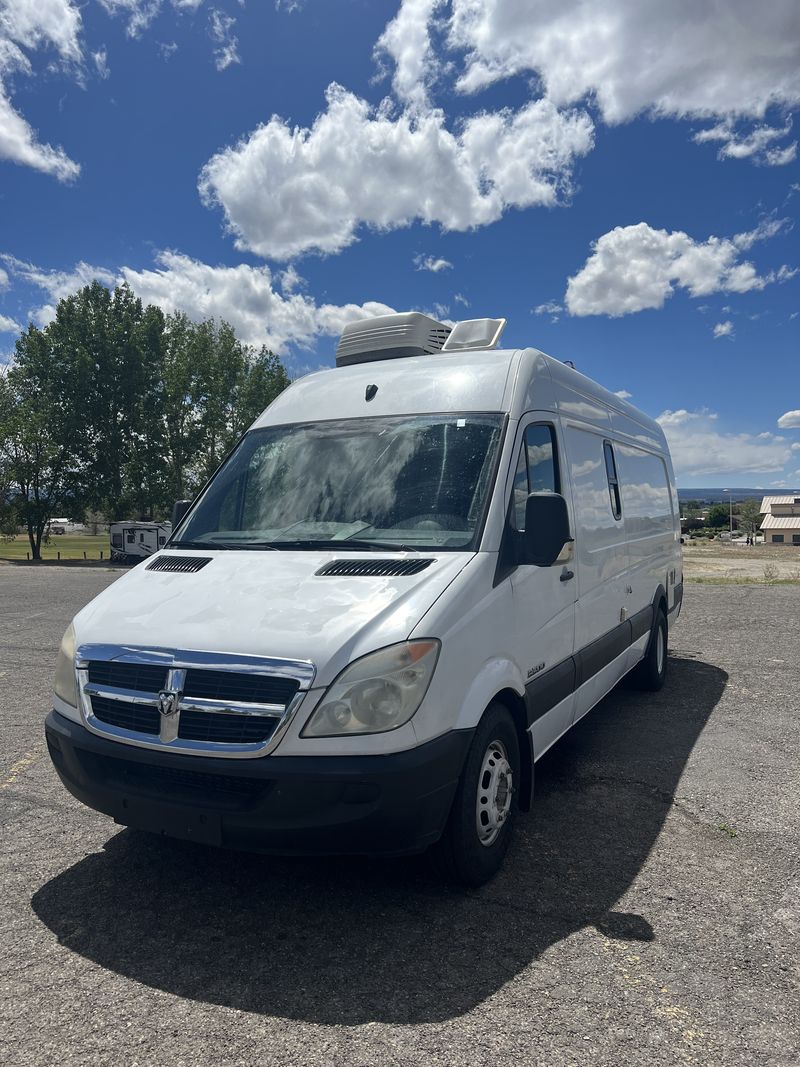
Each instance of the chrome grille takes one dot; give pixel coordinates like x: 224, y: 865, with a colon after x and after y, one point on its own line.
x: 187, y: 701
x: 141, y: 677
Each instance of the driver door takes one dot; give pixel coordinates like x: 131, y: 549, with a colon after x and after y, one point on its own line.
x: 543, y: 598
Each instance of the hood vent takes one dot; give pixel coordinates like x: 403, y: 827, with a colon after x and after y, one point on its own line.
x: 374, y: 568
x: 184, y: 564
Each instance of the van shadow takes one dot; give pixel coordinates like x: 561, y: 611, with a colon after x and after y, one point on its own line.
x: 352, y: 941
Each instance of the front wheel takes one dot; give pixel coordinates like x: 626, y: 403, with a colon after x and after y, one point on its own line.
x: 481, y: 821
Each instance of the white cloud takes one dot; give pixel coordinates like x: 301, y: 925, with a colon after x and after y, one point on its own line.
x: 55, y: 283
x: 723, y: 329
x: 549, y: 308
x: 34, y: 24
x: 767, y: 227
x: 698, y: 447
x: 31, y: 25
x: 459, y: 298
x: 676, y: 59
x: 789, y: 421
x: 406, y: 42
x: 245, y: 296
x: 796, y: 446
x: 636, y: 267
x: 756, y: 143
x: 19, y: 144
x: 140, y: 13
x: 286, y: 190
x: 100, y: 59
x: 623, y: 394
x: 3, y: 279
x: 289, y: 280
x: 220, y: 28
x: 8, y: 325
x: 432, y: 263
x: 167, y: 49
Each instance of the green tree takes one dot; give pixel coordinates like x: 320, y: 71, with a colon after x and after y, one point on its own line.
x: 119, y: 409
x: 750, y: 516
x: 38, y: 432
x: 718, y: 515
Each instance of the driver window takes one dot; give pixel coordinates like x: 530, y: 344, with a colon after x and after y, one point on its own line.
x: 537, y: 469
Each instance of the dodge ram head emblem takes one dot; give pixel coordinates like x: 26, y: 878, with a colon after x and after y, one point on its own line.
x: 168, y: 702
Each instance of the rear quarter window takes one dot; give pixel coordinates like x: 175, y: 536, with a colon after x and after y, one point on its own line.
x: 646, y: 496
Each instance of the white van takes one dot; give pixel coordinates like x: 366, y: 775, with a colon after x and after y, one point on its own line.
x: 411, y: 576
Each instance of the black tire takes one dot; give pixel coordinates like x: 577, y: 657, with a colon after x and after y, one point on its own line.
x: 651, y: 673
x: 460, y: 855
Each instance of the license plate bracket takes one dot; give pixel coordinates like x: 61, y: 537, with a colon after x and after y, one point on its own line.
x: 170, y: 820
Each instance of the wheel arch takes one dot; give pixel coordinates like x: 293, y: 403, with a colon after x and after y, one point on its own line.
x: 515, y: 705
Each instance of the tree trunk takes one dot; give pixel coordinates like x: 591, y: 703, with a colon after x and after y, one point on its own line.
x: 34, y: 539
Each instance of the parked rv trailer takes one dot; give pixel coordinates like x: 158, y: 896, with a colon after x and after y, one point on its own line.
x: 410, y: 578
x: 133, y: 541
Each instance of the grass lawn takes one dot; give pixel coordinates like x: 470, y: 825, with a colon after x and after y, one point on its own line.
x: 70, y: 547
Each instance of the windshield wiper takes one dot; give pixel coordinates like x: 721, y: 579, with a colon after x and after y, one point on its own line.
x: 206, y: 545
x: 350, y: 543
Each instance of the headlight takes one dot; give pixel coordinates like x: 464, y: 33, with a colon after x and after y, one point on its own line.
x: 65, y: 685
x: 378, y: 692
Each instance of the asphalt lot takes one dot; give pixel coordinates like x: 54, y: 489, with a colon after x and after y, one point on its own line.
x: 649, y: 913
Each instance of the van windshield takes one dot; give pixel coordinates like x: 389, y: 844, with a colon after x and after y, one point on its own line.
x: 389, y: 482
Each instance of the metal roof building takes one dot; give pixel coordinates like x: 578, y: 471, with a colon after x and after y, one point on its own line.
x: 781, y: 525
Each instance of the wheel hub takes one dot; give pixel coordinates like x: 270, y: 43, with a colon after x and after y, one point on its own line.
x: 495, y: 790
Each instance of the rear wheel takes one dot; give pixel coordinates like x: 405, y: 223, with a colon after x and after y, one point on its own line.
x: 481, y: 821
x: 651, y: 673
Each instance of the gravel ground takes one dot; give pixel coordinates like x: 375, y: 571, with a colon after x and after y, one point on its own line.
x: 649, y: 912
x: 753, y: 562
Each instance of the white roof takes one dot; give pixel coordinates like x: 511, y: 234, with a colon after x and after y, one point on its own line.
x: 781, y: 522
x: 768, y: 501
x: 496, y: 380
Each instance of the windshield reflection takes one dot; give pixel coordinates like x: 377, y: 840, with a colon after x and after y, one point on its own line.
x: 400, y: 482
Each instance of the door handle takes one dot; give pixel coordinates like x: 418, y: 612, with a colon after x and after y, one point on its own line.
x: 566, y: 575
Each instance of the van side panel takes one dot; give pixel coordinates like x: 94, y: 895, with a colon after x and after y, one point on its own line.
x: 600, y: 549
x: 649, y: 522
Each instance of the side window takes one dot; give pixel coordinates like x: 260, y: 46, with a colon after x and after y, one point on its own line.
x: 131, y: 537
x: 537, y: 469
x: 542, y: 461
x: 613, y: 480
x: 520, y: 491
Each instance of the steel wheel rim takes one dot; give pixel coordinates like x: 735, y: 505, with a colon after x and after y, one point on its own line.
x: 495, y: 790
x: 660, y: 650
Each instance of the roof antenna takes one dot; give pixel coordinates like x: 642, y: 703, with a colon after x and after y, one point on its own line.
x: 569, y: 363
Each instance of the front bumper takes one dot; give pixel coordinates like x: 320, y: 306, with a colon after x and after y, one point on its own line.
x: 292, y: 805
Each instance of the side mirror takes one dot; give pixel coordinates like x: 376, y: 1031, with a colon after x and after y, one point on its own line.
x: 546, y: 529
x: 179, y: 509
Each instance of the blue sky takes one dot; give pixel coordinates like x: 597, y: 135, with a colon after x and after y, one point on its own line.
x: 619, y: 179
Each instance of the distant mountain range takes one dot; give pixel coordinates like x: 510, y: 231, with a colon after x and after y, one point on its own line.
x: 717, y: 496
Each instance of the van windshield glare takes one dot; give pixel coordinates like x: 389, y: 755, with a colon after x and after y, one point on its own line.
x: 399, y: 482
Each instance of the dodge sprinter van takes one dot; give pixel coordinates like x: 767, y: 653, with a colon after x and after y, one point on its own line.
x: 413, y: 574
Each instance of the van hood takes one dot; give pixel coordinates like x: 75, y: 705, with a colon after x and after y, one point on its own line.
x: 268, y: 604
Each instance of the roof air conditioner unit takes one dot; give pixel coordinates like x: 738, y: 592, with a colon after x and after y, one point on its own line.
x: 390, y: 337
